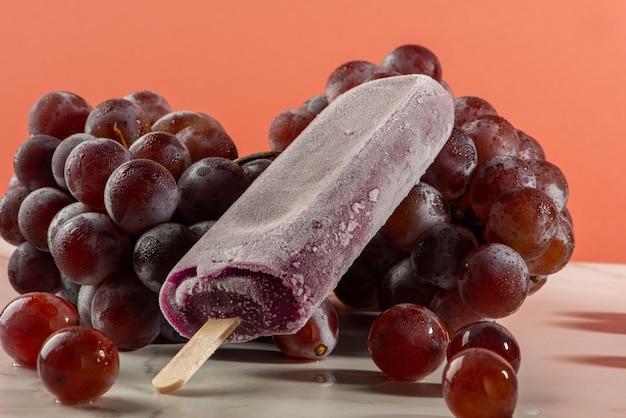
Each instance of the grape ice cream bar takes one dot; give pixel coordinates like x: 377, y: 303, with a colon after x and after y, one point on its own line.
x: 281, y: 248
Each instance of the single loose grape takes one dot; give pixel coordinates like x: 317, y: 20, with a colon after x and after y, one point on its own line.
x: 316, y: 339
x: 78, y: 364
x: 28, y: 320
x: 490, y: 335
x: 407, y: 342
x: 478, y: 383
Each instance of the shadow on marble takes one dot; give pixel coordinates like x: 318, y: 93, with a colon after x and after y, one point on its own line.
x: 594, y: 321
x: 616, y: 362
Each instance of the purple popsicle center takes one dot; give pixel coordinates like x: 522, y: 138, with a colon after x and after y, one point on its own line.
x: 262, y: 301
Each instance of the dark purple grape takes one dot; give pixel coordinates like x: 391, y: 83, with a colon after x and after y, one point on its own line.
x: 37, y: 211
x: 64, y: 215
x: 551, y: 181
x: 9, y: 211
x: 400, y: 285
x: 347, y: 76
x: 412, y: 59
x: 164, y: 148
x: 59, y: 114
x: 200, y: 228
x: 529, y: 147
x: 489, y: 335
x: 204, y: 141
x: 126, y: 311
x: 118, y: 119
x: 525, y: 219
x: 60, y: 156
x: 32, y: 270
x: 286, y: 127
x: 438, y: 253
x: 496, y: 176
x: 153, y: 105
x: 157, y: 251
x: 424, y: 207
x: 88, y: 167
x: 452, y: 170
x: 89, y: 247
x: 178, y: 120
x: 255, y: 167
x: 209, y: 187
x: 493, y: 281
x: 467, y: 108
x: 493, y: 135
x: 32, y: 161
x: 140, y: 194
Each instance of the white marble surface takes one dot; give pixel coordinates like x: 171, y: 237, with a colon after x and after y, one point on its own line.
x: 572, y: 334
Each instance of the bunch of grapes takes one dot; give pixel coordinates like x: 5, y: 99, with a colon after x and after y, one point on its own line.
x: 106, y: 199
x: 482, y: 230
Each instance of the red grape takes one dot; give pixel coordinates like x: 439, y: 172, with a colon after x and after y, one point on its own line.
x: 32, y: 270
x: 208, y: 187
x: 59, y: 114
x: 153, y: 105
x: 89, y: 247
x: 525, y: 219
x: 28, y: 320
x: 140, y: 194
x: 495, y: 177
x: 78, y: 364
x: 316, y: 339
x: 37, y: 211
x: 422, y: 208
x: 412, y: 59
x: 454, y: 167
x: 478, y: 383
x: 347, y: 76
x: 33, y: 159
x: 118, y: 119
x: 493, y: 135
x: 164, y: 148
x: 176, y: 121
x: 400, y: 285
x: 489, y: 335
x: 60, y: 156
x: 407, y: 342
x: 88, y: 167
x: 529, y: 147
x: 467, y: 108
x: 287, y: 126
x: 207, y: 141
x: 493, y: 280
x: 9, y: 213
x: 451, y: 310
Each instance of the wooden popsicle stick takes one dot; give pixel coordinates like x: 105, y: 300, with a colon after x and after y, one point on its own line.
x: 194, y: 353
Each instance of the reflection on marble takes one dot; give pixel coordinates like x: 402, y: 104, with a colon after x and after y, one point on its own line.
x: 572, y: 335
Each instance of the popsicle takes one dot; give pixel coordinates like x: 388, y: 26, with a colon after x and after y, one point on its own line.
x: 281, y: 248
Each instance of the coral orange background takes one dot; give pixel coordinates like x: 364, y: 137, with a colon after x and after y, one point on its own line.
x: 555, y: 69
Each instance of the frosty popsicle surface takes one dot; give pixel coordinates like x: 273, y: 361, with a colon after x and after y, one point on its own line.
x: 281, y: 248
